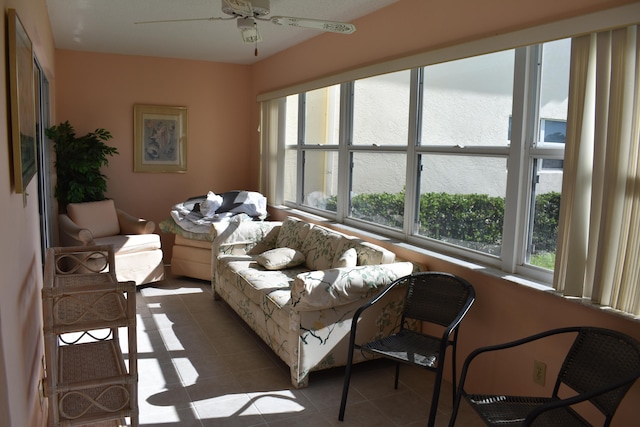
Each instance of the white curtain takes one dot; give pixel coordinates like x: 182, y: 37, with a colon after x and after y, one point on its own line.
x: 598, y: 253
x: 269, y: 117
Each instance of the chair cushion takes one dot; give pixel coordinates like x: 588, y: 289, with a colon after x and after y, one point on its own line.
x: 130, y: 243
x: 98, y: 217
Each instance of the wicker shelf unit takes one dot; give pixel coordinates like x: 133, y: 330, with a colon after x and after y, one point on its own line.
x: 88, y: 379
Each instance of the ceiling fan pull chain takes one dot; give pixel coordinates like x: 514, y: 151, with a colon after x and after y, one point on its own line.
x: 255, y: 52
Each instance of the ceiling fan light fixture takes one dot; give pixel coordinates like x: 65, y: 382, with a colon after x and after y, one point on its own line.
x: 249, y: 30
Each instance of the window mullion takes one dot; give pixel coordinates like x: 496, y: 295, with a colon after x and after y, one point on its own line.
x: 412, y: 189
x: 302, y: 120
x: 524, y: 112
x: 346, y: 137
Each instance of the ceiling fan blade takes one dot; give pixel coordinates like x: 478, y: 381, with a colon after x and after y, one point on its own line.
x: 314, y: 24
x: 213, y: 18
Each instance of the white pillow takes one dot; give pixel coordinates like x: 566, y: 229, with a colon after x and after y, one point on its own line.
x: 210, y: 205
x: 348, y: 259
x: 279, y: 258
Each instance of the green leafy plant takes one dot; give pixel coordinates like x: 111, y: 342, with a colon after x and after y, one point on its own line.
x: 78, y: 163
x: 470, y: 220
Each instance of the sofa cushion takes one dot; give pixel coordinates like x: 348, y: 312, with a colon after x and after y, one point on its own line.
x: 367, y: 253
x: 314, y: 290
x: 319, y: 247
x: 279, y: 258
x: 258, y: 284
x: 348, y: 258
x: 293, y: 233
x: 98, y: 217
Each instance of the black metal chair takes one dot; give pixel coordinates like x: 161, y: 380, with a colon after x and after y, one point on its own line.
x: 600, y: 367
x: 439, y: 299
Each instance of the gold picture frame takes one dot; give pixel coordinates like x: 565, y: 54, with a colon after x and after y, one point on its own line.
x: 23, y: 113
x: 160, y: 138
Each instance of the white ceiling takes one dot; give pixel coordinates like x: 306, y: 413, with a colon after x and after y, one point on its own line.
x: 108, y: 26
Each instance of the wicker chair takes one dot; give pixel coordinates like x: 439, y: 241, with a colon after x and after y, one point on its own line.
x: 600, y: 367
x: 437, y: 299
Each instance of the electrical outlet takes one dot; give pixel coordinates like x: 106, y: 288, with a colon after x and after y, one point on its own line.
x: 539, y: 372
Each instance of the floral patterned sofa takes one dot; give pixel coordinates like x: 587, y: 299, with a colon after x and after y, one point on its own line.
x: 297, y: 285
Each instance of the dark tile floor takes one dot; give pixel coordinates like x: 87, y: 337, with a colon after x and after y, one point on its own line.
x: 199, y: 365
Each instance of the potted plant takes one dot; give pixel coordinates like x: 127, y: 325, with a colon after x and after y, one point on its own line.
x: 78, y: 163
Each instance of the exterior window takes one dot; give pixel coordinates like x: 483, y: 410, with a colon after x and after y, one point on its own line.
x: 322, y: 116
x: 381, y: 109
x: 548, y: 154
x: 462, y: 188
x: 377, y: 172
x: 377, y: 188
x: 463, y: 157
x: 462, y: 201
x: 310, y: 162
x: 545, y: 197
x: 553, y: 131
x: 467, y: 102
x: 320, y: 179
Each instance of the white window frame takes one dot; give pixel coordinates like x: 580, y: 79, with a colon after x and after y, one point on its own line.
x: 520, y: 155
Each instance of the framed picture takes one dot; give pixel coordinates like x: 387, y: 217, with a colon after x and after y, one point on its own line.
x: 160, y: 138
x: 23, y: 113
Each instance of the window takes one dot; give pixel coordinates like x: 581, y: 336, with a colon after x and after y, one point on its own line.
x: 463, y: 151
x: 377, y: 144
x: 438, y: 131
x: 312, y: 159
x: 553, y: 131
x: 547, y: 154
x: 462, y: 201
x: 424, y: 155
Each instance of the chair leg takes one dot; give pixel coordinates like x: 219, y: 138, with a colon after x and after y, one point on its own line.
x: 453, y: 373
x: 454, y: 410
x: 395, y: 384
x: 345, y: 387
x: 435, y: 397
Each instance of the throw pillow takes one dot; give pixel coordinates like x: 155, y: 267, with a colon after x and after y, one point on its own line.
x: 349, y: 258
x: 320, y: 247
x: 279, y: 258
x: 292, y: 233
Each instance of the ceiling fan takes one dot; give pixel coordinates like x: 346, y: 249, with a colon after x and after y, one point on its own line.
x: 248, y: 12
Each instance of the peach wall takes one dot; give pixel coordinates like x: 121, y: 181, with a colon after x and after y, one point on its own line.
x: 20, y: 263
x: 100, y: 90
